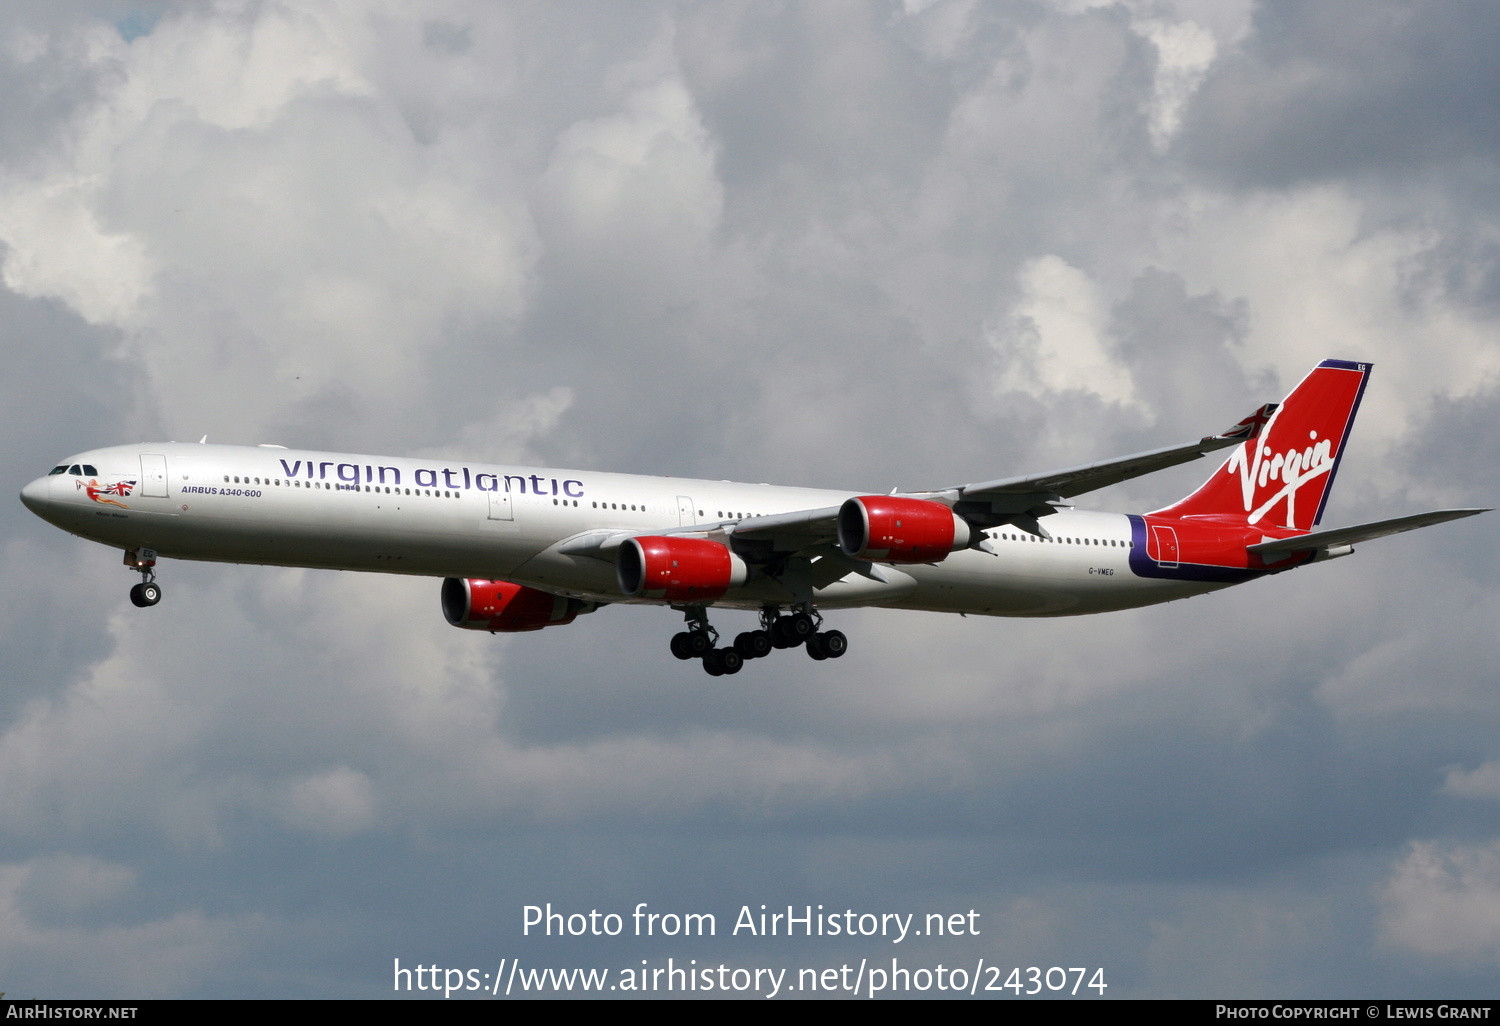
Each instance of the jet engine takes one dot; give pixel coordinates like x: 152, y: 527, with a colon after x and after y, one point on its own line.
x: 690, y: 570
x: 503, y: 607
x: 894, y: 530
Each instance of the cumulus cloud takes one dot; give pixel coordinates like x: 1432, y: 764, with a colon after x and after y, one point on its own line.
x: 340, y: 801
x: 245, y: 204
x: 835, y: 244
x: 1184, y: 51
x: 1444, y: 901
x: 1056, y: 341
x: 58, y: 249
x: 1480, y: 782
x: 643, y: 177
x: 57, y: 910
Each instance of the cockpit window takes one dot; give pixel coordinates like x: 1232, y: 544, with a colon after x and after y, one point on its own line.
x: 89, y: 470
x: 75, y: 469
x: 58, y: 470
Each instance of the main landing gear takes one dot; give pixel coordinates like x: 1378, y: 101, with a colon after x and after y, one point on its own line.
x: 698, y: 642
x: 801, y: 628
x: 776, y: 631
x: 143, y: 561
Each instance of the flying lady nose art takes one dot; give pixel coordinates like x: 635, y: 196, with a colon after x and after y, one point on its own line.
x: 101, y: 493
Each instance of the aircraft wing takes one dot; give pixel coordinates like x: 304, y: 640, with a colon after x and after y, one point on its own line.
x: 1324, y: 540
x: 1091, y: 476
x: 1012, y: 500
x: 1021, y: 500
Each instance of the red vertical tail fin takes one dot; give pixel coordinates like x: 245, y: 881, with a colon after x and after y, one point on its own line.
x: 1282, y: 477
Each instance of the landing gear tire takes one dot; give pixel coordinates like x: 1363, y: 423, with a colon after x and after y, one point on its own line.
x: 833, y: 643
x: 815, y: 647
x: 722, y: 661
x: 691, y: 645
x: 753, y: 644
x: 147, y: 593
x: 791, y: 631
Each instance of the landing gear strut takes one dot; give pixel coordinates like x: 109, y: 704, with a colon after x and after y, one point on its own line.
x: 143, y: 561
x: 698, y: 642
x: 758, y: 644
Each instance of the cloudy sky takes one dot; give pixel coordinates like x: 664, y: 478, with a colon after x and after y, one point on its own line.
x: 861, y: 245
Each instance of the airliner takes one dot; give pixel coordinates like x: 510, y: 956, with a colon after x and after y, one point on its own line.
x: 523, y: 548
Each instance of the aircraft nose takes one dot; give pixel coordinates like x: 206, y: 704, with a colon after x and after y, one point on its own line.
x: 36, y: 494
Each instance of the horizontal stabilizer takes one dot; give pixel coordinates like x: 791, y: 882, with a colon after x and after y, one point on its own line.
x: 1363, y: 532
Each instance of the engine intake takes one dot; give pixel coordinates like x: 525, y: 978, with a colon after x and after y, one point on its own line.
x: 503, y: 607
x: 893, y: 530
x: 678, y: 569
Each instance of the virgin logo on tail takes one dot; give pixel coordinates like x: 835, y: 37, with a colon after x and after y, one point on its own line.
x: 1291, y: 469
x: 1282, y: 478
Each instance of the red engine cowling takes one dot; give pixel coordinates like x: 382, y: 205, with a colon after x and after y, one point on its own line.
x: 678, y: 569
x: 500, y: 606
x: 892, y: 530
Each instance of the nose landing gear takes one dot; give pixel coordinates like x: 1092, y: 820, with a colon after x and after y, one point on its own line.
x: 143, y: 561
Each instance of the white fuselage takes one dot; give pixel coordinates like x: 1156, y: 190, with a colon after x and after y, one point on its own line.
x: 450, y: 518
